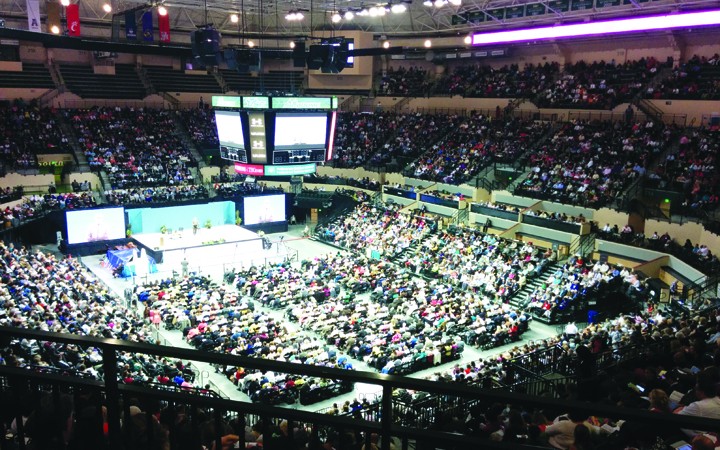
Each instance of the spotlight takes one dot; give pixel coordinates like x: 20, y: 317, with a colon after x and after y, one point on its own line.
x: 234, y: 18
x: 386, y: 44
x: 381, y: 11
x: 373, y: 12
x: 107, y: 8
x: 439, y: 3
x: 65, y: 3
x: 468, y: 40
x: 428, y: 43
x: 292, y: 44
x: 455, y: 2
x: 162, y: 11
x: 428, y: 3
x: 349, y: 15
x: 55, y: 29
x: 251, y: 44
x: 398, y: 8
x: 336, y: 18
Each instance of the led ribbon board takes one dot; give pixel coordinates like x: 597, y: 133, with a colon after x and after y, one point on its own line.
x: 667, y: 21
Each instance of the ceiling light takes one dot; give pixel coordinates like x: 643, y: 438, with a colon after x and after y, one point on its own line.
x: 234, y: 18
x: 64, y: 3
x: 336, y: 18
x: 440, y: 3
x: 294, y: 16
x: 468, y: 40
x: 162, y: 11
x: 455, y: 2
x: 381, y: 11
x: 386, y: 44
x: 363, y: 12
x: 251, y: 44
x: 398, y: 8
x: 292, y: 44
x: 55, y: 29
x: 428, y: 3
x: 107, y: 8
x: 428, y: 43
x: 373, y: 11
x: 349, y: 15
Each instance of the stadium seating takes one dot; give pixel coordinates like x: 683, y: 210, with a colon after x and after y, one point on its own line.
x: 166, y: 79
x: 32, y: 76
x: 506, y: 82
x: 696, y: 79
x: 125, y: 84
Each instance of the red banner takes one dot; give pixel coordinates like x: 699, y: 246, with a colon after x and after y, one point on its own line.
x: 164, y: 27
x: 254, y: 170
x: 72, y: 12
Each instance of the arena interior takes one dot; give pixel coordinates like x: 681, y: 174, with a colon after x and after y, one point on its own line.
x: 503, y: 234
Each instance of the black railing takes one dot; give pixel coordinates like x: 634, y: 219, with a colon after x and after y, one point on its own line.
x: 109, y: 393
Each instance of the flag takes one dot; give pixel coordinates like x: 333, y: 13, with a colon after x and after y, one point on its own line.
x: 164, y: 27
x: 130, y: 26
x: 53, y: 15
x: 33, y: 10
x: 147, y: 26
x: 72, y: 12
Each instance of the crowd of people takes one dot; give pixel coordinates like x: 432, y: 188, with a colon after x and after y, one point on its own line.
x: 589, y: 163
x: 474, y: 144
x: 200, y: 124
x: 136, y: 146
x: 160, y: 194
x: 695, y: 79
x: 405, y: 82
x: 599, y: 85
x: 27, y: 131
x: 469, y: 80
x: 691, y: 170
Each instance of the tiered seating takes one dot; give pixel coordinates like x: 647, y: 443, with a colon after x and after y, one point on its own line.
x: 32, y: 76
x: 403, y: 82
x: 697, y: 79
x: 41, y: 292
x: 590, y: 163
x: 599, y: 85
x: 359, y: 135
x: 137, y: 147
x: 271, y: 81
x: 25, y: 132
x: 165, y: 79
x: 84, y: 82
x: 155, y: 195
x: 692, y: 170
x: 475, y: 143
x: 505, y: 82
x: 200, y: 123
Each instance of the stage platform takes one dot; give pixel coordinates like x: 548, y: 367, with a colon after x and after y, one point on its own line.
x: 221, y: 245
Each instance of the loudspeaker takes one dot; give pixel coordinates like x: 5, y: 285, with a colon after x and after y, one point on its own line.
x: 206, y: 46
x: 318, y: 55
x: 248, y: 61
x: 298, y: 54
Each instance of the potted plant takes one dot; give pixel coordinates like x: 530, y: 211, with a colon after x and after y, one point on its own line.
x: 238, y: 220
x: 163, y: 229
x: 208, y: 224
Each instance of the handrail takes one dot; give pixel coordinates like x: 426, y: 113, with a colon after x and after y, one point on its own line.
x: 114, y: 390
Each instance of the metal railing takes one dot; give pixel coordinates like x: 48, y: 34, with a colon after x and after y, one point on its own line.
x: 115, y: 397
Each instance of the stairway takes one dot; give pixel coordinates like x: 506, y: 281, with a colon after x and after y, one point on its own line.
x: 68, y: 132
x: 521, y: 298
x: 182, y: 133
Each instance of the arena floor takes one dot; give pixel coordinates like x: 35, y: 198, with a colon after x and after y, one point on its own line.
x: 292, y: 242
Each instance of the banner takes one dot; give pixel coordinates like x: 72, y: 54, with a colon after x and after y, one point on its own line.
x: 164, y: 27
x: 147, y: 26
x: 72, y: 12
x: 53, y: 16
x: 130, y: 26
x: 33, y: 10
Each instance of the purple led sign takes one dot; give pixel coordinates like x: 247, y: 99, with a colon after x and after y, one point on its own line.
x: 663, y: 22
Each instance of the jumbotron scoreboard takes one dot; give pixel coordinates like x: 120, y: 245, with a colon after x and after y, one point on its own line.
x: 262, y: 131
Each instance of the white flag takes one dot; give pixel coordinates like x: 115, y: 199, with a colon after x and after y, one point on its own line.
x: 33, y: 10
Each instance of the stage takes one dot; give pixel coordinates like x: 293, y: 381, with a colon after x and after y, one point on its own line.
x: 212, y: 249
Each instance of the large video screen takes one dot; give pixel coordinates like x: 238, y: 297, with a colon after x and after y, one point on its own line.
x: 229, y: 129
x: 264, y: 209
x: 298, y: 131
x: 91, y: 225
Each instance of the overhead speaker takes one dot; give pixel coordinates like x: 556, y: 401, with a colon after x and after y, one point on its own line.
x: 317, y: 56
x: 248, y: 61
x: 298, y: 54
x: 206, y: 45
